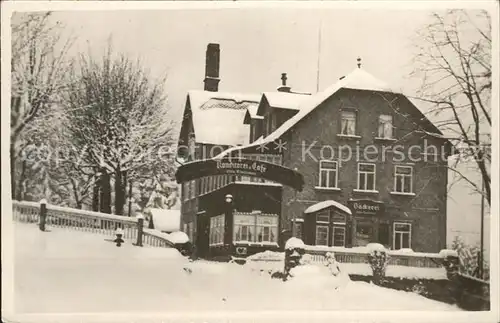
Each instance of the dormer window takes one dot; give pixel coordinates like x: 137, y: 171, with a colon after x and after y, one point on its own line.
x: 348, y: 123
x: 271, y: 123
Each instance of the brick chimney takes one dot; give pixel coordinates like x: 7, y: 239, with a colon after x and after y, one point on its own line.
x: 212, y: 68
x: 283, y: 87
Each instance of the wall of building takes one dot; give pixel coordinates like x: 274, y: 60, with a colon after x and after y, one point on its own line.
x: 426, y: 210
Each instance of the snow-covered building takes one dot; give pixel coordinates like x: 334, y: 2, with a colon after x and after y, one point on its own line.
x: 375, y: 169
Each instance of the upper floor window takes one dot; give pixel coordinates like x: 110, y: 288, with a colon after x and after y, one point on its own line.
x: 366, y: 177
x: 271, y: 123
x: 385, y: 126
x: 348, y: 123
x: 403, y: 179
x: 328, y: 171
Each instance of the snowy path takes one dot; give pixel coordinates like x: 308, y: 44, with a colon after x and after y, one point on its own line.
x: 69, y: 271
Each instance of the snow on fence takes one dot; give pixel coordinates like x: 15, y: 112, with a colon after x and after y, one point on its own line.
x: 88, y: 221
x: 156, y: 239
x: 359, y: 255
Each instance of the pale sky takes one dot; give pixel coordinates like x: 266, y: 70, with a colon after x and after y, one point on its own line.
x: 257, y: 45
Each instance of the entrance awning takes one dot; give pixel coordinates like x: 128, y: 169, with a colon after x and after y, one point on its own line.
x: 326, y: 204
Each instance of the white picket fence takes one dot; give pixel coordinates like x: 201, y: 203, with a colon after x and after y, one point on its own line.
x: 88, y: 221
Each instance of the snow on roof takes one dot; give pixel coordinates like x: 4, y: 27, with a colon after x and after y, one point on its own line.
x: 324, y: 204
x: 218, y: 116
x: 357, y: 79
x: 166, y: 220
x: 285, y: 100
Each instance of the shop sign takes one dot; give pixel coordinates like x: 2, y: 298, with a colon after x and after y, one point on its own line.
x: 243, y: 167
x: 366, y: 207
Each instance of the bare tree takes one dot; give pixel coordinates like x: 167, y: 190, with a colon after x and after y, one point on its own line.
x: 118, y: 113
x: 454, y: 63
x: 38, y: 70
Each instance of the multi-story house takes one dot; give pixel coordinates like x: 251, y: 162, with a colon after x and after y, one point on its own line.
x: 374, y: 168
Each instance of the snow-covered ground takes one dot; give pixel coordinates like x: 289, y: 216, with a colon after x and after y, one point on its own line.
x: 71, y: 271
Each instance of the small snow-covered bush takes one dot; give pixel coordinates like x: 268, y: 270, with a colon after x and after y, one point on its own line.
x: 294, y: 250
x: 451, y: 262
x: 378, y: 259
x: 294, y: 243
x: 469, y: 256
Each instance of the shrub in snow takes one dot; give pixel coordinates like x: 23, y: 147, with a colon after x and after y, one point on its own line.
x: 469, y: 258
x: 294, y: 250
x: 451, y: 262
x: 378, y: 259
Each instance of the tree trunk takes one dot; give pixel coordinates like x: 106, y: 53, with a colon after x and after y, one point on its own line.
x: 105, y: 192
x: 95, y: 196
x: 119, y: 192
x: 20, y: 182
x: 12, y: 171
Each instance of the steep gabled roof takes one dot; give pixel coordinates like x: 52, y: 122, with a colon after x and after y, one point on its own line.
x: 218, y: 116
x: 358, y: 79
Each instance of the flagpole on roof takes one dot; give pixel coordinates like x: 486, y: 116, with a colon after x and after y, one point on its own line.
x: 319, y: 53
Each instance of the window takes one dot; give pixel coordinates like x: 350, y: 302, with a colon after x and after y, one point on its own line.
x: 364, y: 233
x: 185, y: 196
x: 402, y: 235
x: 321, y: 235
x: 192, y: 189
x: 403, y: 179
x: 244, y: 227
x: 348, y: 123
x: 385, y: 126
x: 366, y: 177
x: 270, y: 123
x: 298, y: 229
x: 257, y: 227
x: 328, y: 171
x: 323, y: 217
x: 267, y: 228
x: 216, y: 230
x: 273, y: 159
x: 338, y: 237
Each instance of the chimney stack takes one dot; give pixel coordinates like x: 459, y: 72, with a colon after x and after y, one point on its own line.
x: 284, y: 87
x: 212, y: 68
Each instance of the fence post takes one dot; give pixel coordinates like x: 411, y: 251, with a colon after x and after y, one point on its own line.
x: 140, y: 227
x: 43, y: 214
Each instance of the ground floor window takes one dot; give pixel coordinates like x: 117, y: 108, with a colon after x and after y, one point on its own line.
x: 322, y: 235
x: 401, y: 235
x: 364, y: 233
x: 338, y: 236
x: 298, y: 229
x: 255, y: 227
x: 216, y: 230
